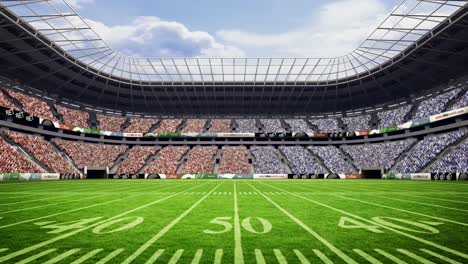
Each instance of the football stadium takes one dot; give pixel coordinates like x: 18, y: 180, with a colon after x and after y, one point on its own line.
x: 328, y: 131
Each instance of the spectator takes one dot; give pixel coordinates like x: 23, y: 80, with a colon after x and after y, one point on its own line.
x: 462, y: 102
x: 220, y: 126
x: 301, y: 161
x: 11, y: 161
x: 167, y: 161
x: 435, y: 105
x: 298, y: 126
x: 272, y: 126
x: 357, y: 123
x: 266, y: 161
x: 333, y: 159
x: 32, y: 105
x: 455, y: 161
x: 194, y: 126
x: 110, y: 123
x: 5, y: 102
x: 393, y: 117
x: 200, y: 160
x: 234, y: 161
x: 136, y: 159
x: 326, y: 125
x: 140, y: 125
x: 73, y: 117
x: 246, y: 126
x: 168, y: 126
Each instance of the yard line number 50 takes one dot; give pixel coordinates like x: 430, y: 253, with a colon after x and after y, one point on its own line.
x: 225, y: 224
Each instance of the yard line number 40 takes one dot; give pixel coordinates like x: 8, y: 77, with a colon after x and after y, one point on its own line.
x: 423, y: 227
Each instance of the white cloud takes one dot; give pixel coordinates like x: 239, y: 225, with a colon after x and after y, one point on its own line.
x: 338, y: 29
x: 151, y: 36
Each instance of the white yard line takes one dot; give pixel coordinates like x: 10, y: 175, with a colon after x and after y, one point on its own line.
x: 112, y: 255
x: 367, y: 257
x: 197, y: 257
x: 414, y: 256
x: 444, y: 258
x: 87, y: 256
x: 238, y: 254
x: 155, y: 256
x: 62, y: 256
x: 176, y: 256
x: 301, y: 257
x: 259, y: 257
x: 390, y: 256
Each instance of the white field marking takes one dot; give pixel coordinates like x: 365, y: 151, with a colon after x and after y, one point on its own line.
x: 367, y: 257
x: 337, y: 251
x: 155, y: 256
x: 176, y: 256
x: 301, y: 257
x: 322, y: 257
x: 87, y: 256
x: 218, y: 256
x: 427, y: 242
x: 444, y: 258
x: 414, y: 256
x: 403, y: 210
x: 34, y: 257
x: 62, y: 256
x: 197, y: 257
x: 41, y: 206
x: 389, y: 256
x: 259, y: 257
x: 73, y: 210
x: 3, y: 250
x: 64, y: 236
x: 238, y: 254
x: 166, y: 229
x: 279, y: 256
x: 112, y: 255
x: 42, y: 199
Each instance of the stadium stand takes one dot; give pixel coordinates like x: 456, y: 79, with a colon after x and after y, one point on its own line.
x: 234, y: 160
x: 91, y: 155
x: 333, y: 159
x: 110, y: 123
x: 5, y: 102
x: 393, y: 117
x: 377, y: 154
x: 140, y: 125
x: 298, y: 126
x: 73, y: 117
x: 168, y: 126
x: 167, y: 161
x: 462, y: 102
x: 266, y: 160
x: 32, y: 105
x: 454, y: 161
x: 326, y: 125
x: 246, y: 126
x: 357, y: 123
x: 136, y: 159
x: 200, y: 160
x: 194, y: 126
x: 43, y: 151
x: 301, y: 161
x: 272, y: 126
x: 220, y: 126
x: 436, y: 104
x: 12, y: 161
x: 425, y: 151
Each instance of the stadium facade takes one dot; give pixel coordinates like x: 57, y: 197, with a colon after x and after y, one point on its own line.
x: 395, y: 106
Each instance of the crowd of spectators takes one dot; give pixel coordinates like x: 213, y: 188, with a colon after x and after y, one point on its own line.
x: 357, y: 123
x: 167, y: 161
x: 425, y: 151
x: 194, y: 126
x: 272, y: 126
x: 32, y: 105
x: 246, y: 126
x: 435, y: 105
x: 333, y: 159
x: 461, y: 103
x: 454, y: 161
x: 5, y: 102
x: 298, y: 126
x: 110, y: 123
x: 168, y: 126
x: 301, y: 161
x: 393, y: 117
x: 200, y: 160
x: 11, y: 161
x: 140, y: 125
x: 43, y: 151
x: 136, y: 159
x: 377, y: 154
x: 234, y: 160
x: 220, y: 126
x: 266, y: 161
x: 326, y: 125
x: 91, y: 155
x: 73, y: 117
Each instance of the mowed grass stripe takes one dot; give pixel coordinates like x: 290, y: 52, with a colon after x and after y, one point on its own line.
x: 67, y: 235
x: 329, y: 245
x: 424, y: 241
x: 166, y: 229
x: 75, y: 209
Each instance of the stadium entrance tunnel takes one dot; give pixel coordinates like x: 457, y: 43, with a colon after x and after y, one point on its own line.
x: 372, y: 173
x: 97, y: 173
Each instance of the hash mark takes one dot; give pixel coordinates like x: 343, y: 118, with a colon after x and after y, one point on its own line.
x: 110, y: 256
x: 444, y: 258
x: 176, y: 257
x: 87, y: 256
x: 197, y: 257
x: 218, y: 256
x: 414, y: 256
x: 301, y: 257
x: 279, y: 256
x: 155, y: 256
x: 259, y: 257
x: 322, y: 256
x: 390, y: 256
x: 34, y: 257
x: 367, y: 256
x: 63, y: 256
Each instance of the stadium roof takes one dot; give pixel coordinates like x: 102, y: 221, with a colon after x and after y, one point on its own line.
x: 48, y: 46
x: 62, y: 25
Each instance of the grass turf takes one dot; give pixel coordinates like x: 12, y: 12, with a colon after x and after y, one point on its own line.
x: 309, y: 221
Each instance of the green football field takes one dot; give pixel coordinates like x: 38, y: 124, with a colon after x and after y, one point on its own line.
x: 234, y: 221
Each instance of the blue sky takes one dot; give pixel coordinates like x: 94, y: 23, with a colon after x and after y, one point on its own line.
x: 240, y: 28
